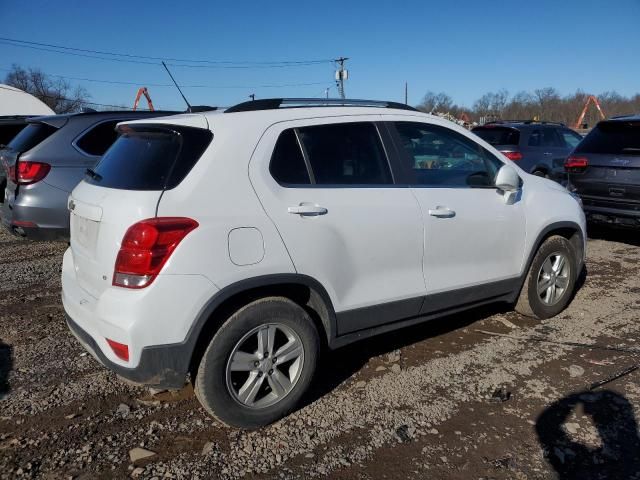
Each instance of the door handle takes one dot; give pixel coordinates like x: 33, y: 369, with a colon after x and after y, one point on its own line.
x: 442, y: 212
x: 307, y: 210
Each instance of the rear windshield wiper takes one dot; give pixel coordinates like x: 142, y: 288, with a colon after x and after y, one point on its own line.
x: 93, y: 174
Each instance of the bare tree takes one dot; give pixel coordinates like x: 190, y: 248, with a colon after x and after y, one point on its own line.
x: 57, y: 94
x: 436, y: 102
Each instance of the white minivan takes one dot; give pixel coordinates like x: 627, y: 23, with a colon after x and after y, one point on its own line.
x: 233, y: 245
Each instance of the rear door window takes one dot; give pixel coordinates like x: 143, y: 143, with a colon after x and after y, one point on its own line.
x: 150, y: 157
x: 613, y: 138
x: 346, y: 154
x: 98, y: 138
x: 535, y: 138
x: 30, y: 136
x: 498, y: 135
x: 550, y: 138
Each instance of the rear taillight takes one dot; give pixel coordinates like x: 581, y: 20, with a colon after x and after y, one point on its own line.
x: 146, y: 247
x: 576, y: 164
x: 26, y: 173
x: 513, y: 156
x: 120, y: 349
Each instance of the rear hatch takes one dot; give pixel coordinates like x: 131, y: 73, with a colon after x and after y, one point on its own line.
x: 505, y: 139
x: 124, y: 188
x: 608, y: 165
x: 33, y: 134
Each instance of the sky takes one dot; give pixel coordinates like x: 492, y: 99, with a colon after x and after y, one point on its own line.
x: 464, y: 48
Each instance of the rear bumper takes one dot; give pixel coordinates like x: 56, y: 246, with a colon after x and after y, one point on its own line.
x: 162, y: 366
x: 606, y: 212
x: 38, y: 212
x: 154, y: 323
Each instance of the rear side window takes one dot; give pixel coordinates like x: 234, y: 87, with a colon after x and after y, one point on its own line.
x: 150, y: 158
x: 30, y: 136
x: 287, y: 165
x: 346, y: 154
x: 613, y: 138
x: 535, y: 138
x: 98, y: 139
x: 9, y: 131
x: 498, y: 135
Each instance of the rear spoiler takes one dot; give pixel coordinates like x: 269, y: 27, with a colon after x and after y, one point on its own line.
x: 56, y: 121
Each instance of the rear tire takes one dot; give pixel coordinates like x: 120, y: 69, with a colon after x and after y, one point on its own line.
x: 550, y: 281
x: 241, y: 381
x: 541, y: 173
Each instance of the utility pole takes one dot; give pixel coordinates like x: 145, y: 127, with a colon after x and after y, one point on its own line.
x: 341, y: 75
x: 326, y: 92
x: 406, y: 93
x: 252, y: 97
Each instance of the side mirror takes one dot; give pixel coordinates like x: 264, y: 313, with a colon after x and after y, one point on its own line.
x: 507, y: 179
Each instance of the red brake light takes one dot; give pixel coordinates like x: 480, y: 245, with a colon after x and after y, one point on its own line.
x: 513, y: 156
x: 120, y: 349
x: 26, y: 173
x: 574, y: 164
x: 146, y: 247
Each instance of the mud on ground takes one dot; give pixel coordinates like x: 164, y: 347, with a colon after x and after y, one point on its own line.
x: 441, y: 400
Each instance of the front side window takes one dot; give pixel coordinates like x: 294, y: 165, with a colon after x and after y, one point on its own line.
x: 438, y: 156
x: 535, y: 138
x: 550, y: 138
x: 346, y: 154
x: 571, y: 138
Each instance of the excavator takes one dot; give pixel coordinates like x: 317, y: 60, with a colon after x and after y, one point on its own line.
x: 145, y: 92
x: 594, y: 99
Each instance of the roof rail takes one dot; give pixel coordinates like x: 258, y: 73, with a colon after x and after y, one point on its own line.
x: 275, y: 103
x: 527, y: 122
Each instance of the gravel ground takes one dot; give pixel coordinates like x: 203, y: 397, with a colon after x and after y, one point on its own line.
x: 449, y: 399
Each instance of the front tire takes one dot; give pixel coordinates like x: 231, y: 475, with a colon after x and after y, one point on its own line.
x: 550, y: 281
x: 258, y: 364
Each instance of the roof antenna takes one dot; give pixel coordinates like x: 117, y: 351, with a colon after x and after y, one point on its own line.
x: 176, y: 84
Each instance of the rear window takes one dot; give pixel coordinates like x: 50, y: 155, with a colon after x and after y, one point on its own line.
x: 150, y: 158
x: 8, y: 131
x: 30, y: 136
x: 613, y: 138
x: 498, y: 135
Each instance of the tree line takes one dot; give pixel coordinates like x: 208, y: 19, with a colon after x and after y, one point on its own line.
x: 541, y: 104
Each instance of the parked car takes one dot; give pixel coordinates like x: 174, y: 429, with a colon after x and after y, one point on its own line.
x: 239, y: 242
x: 604, y: 169
x: 46, y: 160
x: 539, y: 148
x: 10, y: 126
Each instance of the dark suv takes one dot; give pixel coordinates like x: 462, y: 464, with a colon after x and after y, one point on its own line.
x: 537, y: 147
x: 46, y: 160
x: 604, y: 169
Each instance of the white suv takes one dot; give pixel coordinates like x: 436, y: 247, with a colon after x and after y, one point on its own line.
x: 232, y: 245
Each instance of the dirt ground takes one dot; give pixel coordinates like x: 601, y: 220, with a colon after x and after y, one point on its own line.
x: 448, y: 399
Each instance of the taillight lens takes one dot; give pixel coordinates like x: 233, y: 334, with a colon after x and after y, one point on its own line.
x: 26, y: 173
x: 146, y: 247
x: 120, y: 349
x: 576, y: 164
x: 513, y: 156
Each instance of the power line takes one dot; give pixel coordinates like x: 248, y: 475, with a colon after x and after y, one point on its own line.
x: 142, y: 59
x: 150, y: 84
x: 59, y: 97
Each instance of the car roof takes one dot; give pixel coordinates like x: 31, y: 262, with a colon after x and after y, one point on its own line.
x: 280, y: 109
x: 625, y: 118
